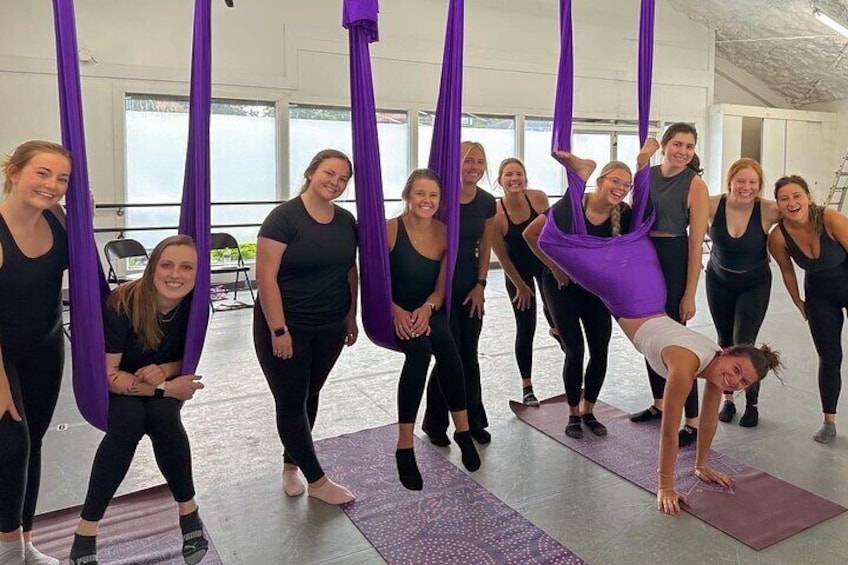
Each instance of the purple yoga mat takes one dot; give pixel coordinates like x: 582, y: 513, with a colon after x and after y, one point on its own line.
x: 453, y: 520
x: 141, y: 528
x: 759, y: 510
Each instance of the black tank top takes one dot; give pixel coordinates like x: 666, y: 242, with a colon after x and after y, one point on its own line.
x: 413, y: 275
x: 740, y: 254
x: 31, y: 288
x: 519, y: 252
x: 831, y: 253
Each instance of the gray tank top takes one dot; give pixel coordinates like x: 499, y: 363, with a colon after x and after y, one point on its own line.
x: 669, y: 195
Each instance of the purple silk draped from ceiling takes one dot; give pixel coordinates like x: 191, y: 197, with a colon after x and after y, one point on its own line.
x: 85, y: 278
x: 360, y: 18
x: 445, y: 158
x: 623, y: 271
x: 195, y: 215
x: 87, y: 283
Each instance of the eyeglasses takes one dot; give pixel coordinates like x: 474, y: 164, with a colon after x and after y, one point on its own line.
x: 618, y: 183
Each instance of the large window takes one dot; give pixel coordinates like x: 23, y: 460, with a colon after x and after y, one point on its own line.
x: 313, y: 128
x: 242, y: 154
x: 496, y: 133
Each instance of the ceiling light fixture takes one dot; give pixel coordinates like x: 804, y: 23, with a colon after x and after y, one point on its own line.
x: 830, y: 22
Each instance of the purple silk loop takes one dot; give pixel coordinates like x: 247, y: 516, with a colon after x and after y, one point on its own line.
x: 445, y: 148
x: 375, y: 272
x: 87, y: 284
x: 623, y: 271
x: 195, y: 218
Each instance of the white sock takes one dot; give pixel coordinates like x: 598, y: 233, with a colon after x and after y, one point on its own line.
x: 35, y: 557
x: 12, y: 552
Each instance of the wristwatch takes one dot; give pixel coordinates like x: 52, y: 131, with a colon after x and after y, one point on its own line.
x: 482, y: 282
x: 159, y: 391
x: 280, y: 332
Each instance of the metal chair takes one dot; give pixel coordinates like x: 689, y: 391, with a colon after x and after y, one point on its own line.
x: 231, y: 262
x: 122, y: 250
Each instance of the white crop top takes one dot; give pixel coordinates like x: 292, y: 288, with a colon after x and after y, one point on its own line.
x: 658, y: 333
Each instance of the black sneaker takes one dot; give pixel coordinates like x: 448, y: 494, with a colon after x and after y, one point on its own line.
x: 728, y: 410
x: 646, y: 415
x: 687, y: 436
x: 750, y: 418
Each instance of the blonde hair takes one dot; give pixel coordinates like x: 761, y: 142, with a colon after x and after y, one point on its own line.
x: 137, y: 299
x: 742, y: 164
x: 615, y: 213
x: 466, y: 147
x: 510, y: 161
x: 22, y: 155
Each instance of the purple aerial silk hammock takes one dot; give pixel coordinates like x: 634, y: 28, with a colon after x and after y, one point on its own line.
x: 360, y: 18
x: 87, y: 283
x: 623, y: 271
x: 195, y: 214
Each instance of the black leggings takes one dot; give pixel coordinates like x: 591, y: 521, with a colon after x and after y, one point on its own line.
x: 826, y: 295
x: 738, y: 304
x: 525, y: 324
x: 34, y: 370
x: 130, y: 418
x: 413, y: 376
x: 466, y: 335
x: 569, y: 306
x: 296, y: 384
x: 673, y: 253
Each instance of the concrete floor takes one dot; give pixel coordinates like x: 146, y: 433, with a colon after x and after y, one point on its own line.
x: 601, y: 517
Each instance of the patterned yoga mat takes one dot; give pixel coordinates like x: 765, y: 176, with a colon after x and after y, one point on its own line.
x: 759, y: 510
x: 453, y: 520
x: 141, y: 528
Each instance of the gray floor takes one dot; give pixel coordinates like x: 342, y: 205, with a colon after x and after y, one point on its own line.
x: 601, y: 517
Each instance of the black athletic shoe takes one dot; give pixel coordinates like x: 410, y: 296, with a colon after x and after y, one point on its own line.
x: 750, y: 418
x: 728, y: 410
x: 646, y: 415
x: 687, y: 436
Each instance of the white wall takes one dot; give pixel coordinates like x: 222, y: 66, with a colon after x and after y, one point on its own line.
x: 292, y: 50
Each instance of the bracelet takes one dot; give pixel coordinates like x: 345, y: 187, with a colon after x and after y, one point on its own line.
x: 665, y: 475
x: 431, y: 305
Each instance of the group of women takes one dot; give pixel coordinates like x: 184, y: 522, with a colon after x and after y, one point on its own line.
x: 306, y: 314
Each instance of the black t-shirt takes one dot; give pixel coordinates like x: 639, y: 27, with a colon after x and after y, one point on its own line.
x: 472, y: 222
x: 562, y: 216
x: 121, y: 338
x: 313, y: 272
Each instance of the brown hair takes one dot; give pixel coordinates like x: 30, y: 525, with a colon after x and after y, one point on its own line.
x: 510, y: 161
x: 22, y: 155
x: 742, y: 164
x: 415, y: 175
x: 764, y: 358
x: 137, y: 299
x: 684, y: 128
x: 816, y: 211
x: 319, y: 158
x: 615, y: 213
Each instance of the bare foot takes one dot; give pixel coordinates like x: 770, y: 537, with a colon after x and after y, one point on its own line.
x: 327, y: 491
x: 583, y: 167
x: 644, y: 158
x: 293, y: 485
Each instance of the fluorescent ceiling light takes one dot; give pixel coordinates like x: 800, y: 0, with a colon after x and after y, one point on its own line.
x: 830, y: 22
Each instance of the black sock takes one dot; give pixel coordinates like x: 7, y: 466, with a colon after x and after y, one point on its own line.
x: 84, y: 550
x: 526, y: 389
x: 470, y: 457
x: 194, y: 542
x: 408, y: 472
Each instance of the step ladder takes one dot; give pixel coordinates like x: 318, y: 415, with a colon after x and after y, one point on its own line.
x: 836, y: 192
